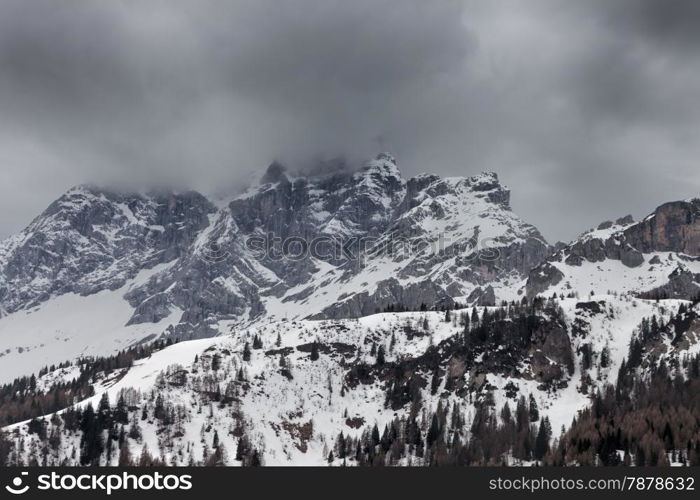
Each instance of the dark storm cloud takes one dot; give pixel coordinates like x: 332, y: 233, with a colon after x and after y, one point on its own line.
x: 588, y: 110
x: 673, y: 22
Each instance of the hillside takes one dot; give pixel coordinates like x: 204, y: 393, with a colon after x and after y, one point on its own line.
x: 285, y: 391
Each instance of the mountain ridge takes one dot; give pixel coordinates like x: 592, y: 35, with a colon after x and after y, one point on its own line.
x: 184, y: 267
x: 309, y: 312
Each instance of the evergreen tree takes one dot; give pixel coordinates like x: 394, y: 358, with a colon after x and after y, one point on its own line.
x: 91, y: 441
x: 433, y: 431
x: 216, y: 362
x: 381, y: 358
x: 246, y: 352
x: 544, y: 434
x: 125, y: 459
x: 533, y: 409
x: 121, y: 413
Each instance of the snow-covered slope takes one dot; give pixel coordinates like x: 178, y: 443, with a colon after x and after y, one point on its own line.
x: 131, y: 267
x: 70, y: 326
x: 656, y: 257
x: 299, y: 270
x: 291, y: 407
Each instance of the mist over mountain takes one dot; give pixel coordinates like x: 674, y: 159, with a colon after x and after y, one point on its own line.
x: 591, y: 108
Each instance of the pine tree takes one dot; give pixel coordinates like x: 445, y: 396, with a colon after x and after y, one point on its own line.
x: 121, y: 414
x: 605, y: 357
x: 522, y: 415
x: 146, y: 459
x: 475, y: 317
x: 435, y: 382
x: 246, y: 352
x: 314, y: 351
x: 91, y: 442
x: 542, y: 440
x: 433, y: 431
x: 534, y: 410
x: 381, y: 358
x: 506, y: 416
x: 125, y: 459
x: 215, y: 362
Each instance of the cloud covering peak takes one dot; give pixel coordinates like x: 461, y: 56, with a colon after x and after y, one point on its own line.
x: 588, y: 110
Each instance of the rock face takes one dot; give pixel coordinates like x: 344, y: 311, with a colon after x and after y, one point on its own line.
x: 337, y: 243
x: 658, y: 255
x: 344, y: 243
x: 348, y: 244
x: 90, y: 240
x: 673, y: 227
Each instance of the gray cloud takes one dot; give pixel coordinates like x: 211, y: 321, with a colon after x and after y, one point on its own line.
x: 588, y: 110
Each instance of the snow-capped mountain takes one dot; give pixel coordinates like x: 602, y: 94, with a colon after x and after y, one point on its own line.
x: 656, y: 257
x: 91, y: 239
x: 342, y: 316
x: 98, y: 271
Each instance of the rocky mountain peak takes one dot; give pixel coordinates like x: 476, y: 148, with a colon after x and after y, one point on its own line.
x: 202, y: 276
x: 381, y: 170
x: 488, y: 183
x: 276, y: 172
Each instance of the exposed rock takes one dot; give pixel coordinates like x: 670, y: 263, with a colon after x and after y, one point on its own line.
x: 631, y: 257
x: 91, y: 239
x: 682, y: 284
x: 541, y: 278
x: 483, y: 297
x: 625, y: 221
x: 673, y: 227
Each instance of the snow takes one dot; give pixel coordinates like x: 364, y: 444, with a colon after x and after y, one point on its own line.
x: 276, y: 410
x: 447, y: 212
x: 70, y: 326
x: 614, y: 275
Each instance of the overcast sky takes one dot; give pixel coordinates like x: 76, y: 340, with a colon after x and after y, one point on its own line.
x: 587, y: 110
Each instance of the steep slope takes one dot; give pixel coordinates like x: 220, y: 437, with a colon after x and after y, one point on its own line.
x: 348, y: 244
x: 336, y: 243
x: 656, y: 257
x: 63, y: 279
x: 92, y: 239
x: 70, y: 326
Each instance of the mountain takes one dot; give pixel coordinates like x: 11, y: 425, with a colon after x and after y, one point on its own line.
x: 346, y: 316
x: 99, y: 271
x: 91, y: 240
x: 656, y: 257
